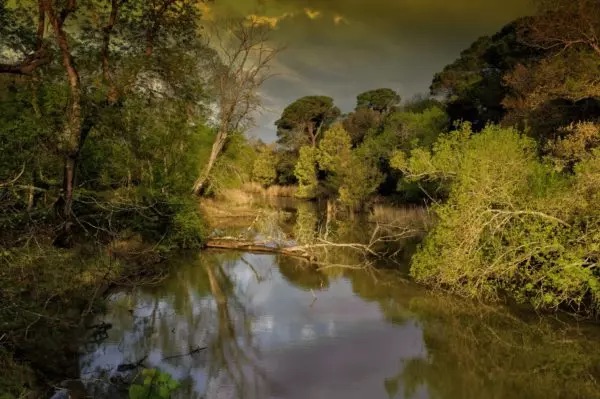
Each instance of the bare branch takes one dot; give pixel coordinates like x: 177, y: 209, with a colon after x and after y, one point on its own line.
x: 245, y: 58
x: 14, y: 180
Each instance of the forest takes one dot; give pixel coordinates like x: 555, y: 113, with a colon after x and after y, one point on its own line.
x: 119, y: 118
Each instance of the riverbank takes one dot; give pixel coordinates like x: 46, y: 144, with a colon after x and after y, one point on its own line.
x: 48, y: 297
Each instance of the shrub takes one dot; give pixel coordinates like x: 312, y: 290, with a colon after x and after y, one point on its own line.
x: 187, y: 230
x: 511, y: 223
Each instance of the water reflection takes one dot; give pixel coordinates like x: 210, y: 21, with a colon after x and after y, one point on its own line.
x: 274, y: 327
x: 276, y: 330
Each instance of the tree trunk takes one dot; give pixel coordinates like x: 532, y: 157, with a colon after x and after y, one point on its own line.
x: 68, y: 184
x: 71, y: 140
x: 217, y: 147
x: 312, y: 135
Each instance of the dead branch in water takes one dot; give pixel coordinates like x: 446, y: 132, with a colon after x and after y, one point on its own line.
x: 310, y: 251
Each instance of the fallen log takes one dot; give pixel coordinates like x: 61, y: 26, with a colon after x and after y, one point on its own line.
x: 259, y: 247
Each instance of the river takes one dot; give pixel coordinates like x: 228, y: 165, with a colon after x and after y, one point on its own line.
x: 229, y: 324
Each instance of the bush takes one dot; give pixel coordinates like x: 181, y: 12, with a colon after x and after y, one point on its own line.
x: 264, y: 170
x: 188, y: 230
x: 306, y: 173
x: 511, y: 223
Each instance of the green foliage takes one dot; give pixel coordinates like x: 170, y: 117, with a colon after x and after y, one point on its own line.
x: 473, y: 84
x: 306, y: 173
x: 264, y: 170
x: 155, y: 385
x: 511, y: 224
x: 334, y: 155
x: 188, y: 230
x: 418, y: 129
x: 380, y: 100
x: 234, y: 166
x: 361, y: 181
x: 362, y: 123
x: 286, y: 163
x: 349, y: 176
x: 576, y: 144
x: 303, y: 120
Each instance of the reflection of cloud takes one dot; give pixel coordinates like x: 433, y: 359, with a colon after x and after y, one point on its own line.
x: 339, y: 19
x: 312, y: 14
x: 308, y: 333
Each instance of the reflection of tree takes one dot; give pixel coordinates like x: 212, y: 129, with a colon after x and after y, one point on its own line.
x: 231, y: 347
x: 295, y: 271
x: 477, y: 351
x: 306, y: 223
x: 480, y: 352
x: 197, y: 306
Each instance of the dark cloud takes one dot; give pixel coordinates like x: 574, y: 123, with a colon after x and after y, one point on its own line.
x: 342, y: 47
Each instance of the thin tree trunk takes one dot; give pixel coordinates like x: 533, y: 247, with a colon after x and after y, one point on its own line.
x: 313, y: 137
x: 113, y: 93
x: 217, y: 147
x: 68, y: 185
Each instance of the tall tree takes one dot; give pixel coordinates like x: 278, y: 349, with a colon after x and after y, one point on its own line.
x: 380, y: 100
x: 245, y: 58
x: 303, y: 121
x: 563, y: 24
x: 45, y: 28
x: 562, y: 86
x: 472, y: 86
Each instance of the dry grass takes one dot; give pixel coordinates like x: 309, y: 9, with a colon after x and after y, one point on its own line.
x: 272, y: 191
x: 281, y: 191
x: 402, y: 216
x: 234, y: 196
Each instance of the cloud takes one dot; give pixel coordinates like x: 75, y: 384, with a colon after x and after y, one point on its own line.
x: 343, y: 47
x: 271, y: 21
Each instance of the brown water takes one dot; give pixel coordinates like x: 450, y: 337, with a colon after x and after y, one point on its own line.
x: 273, y: 328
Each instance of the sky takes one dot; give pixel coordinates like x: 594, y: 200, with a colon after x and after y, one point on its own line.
x: 341, y: 48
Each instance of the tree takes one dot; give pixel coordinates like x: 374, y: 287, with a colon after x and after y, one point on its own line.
x: 334, y: 157
x: 472, y: 86
x: 244, y: 66
x: 306, y: 173
x: 361, y: 123
x: 511, y: 225
x: 264, y: 170
x: 302, y: 122
x: 553, y: 93
x: 349, y: 176
x: 417, y: 128
x: 380, y: 100
x: 577, y: 144
x: 91, y: 72
x: 561, y: 87
x: 565, y: 24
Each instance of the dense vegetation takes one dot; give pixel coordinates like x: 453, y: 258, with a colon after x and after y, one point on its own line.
x: 108, y: 131
x: 508, y: 158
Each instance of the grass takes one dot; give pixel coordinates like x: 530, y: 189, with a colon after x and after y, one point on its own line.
x: 417, y: 216
x: 271, y: 191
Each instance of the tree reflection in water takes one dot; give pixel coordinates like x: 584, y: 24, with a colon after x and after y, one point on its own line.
x: 232, y: 350
x: 337, y: 332
x: 199, y: 306
x: 479, y: 351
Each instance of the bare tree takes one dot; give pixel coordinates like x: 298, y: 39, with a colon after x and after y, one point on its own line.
x: 245, y: 58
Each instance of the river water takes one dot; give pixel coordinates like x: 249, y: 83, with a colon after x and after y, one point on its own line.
x: 269, y: 327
